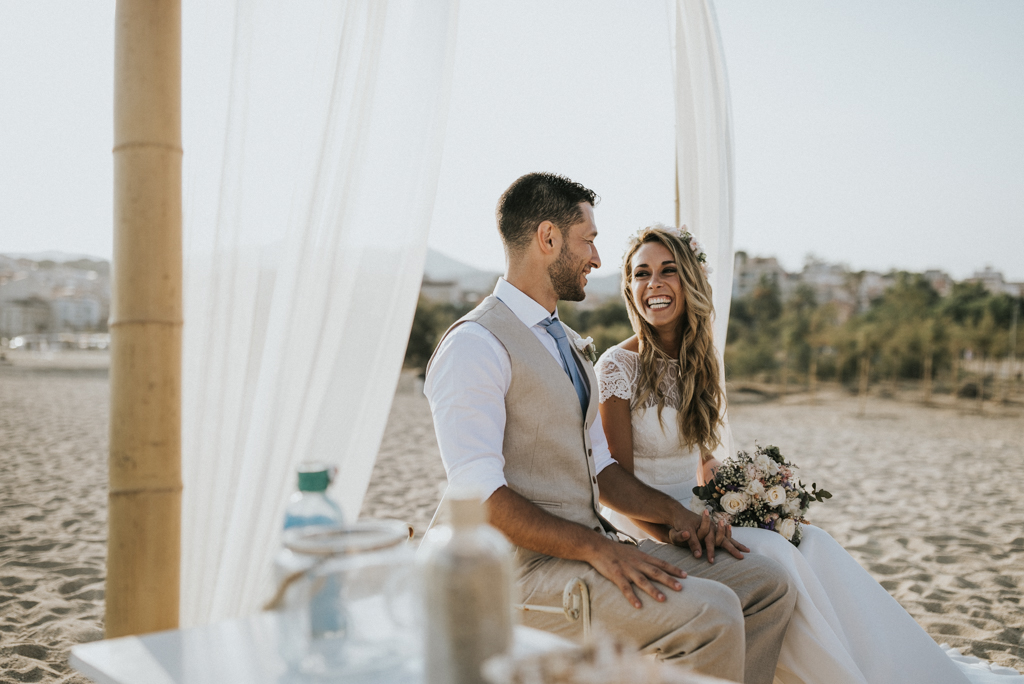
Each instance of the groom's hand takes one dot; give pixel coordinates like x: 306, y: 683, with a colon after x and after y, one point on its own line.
x: 688, y: 529
x: 693, y: 531
x: 621, y: 491
x: 626, y: 566
x: 720, y: 534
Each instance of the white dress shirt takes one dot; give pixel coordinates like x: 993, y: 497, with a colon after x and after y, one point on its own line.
x: 466, y: 386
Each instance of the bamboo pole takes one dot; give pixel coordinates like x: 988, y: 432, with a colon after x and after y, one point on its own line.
x: 143, y: 555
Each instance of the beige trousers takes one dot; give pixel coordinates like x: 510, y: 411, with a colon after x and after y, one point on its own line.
x: 728, y: 621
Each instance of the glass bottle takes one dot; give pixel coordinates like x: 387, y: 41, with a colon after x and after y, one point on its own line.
x: 467, y: 574
x: 310, y: 507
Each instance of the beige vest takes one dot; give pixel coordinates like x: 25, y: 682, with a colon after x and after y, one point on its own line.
x: 548, y: 456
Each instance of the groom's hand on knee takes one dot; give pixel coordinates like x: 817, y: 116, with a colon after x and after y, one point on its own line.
x: 627, y: 567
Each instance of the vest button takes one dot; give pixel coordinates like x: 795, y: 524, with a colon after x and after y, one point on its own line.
x: 594, y: 478
x: 590, y: 452
x: 598, y: 529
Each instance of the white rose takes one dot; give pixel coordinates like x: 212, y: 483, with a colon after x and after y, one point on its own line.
x: 697, y: 504
x: 734, y: 502
x: 754, y: 488
x: 787, y: 528
x: 776, y: 495
x: 583, y: 342
x: 792, y: 507
x: 766, y: 464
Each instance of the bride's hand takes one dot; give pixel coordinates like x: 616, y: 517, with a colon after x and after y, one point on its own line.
x: 708, y: 469
x: 708, y: 534
x: 721, y: 536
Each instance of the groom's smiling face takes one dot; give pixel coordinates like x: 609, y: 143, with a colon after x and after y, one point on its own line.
x: 577, y: 256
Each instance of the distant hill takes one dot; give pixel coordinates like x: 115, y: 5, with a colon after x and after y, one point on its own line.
x: 603, y: 286
x: 441, y: 267
x: 54, y: 255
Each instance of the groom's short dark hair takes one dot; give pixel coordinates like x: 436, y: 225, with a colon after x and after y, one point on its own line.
x: 538, y: 197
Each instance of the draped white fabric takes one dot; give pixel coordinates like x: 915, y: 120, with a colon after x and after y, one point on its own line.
x: 704, y: 158
x: 313, y: 148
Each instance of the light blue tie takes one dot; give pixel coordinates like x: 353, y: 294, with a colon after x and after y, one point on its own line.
x: 555, y: 329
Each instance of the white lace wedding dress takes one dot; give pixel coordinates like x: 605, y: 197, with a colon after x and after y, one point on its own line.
x: 846, y: 628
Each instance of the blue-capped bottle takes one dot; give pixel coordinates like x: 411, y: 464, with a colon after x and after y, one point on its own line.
x: 311, y: 505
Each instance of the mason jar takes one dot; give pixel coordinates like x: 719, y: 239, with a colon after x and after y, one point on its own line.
x: 347, y: 600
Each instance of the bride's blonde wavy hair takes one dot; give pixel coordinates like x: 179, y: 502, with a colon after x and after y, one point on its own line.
x: 700, y: 394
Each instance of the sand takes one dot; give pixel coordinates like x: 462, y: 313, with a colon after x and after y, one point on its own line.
x: 927, y: 499
x: 53, y: 526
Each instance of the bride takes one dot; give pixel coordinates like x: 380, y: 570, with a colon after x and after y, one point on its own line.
x: 661, y: 406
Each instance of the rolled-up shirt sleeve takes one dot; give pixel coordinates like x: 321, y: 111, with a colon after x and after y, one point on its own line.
x: 599, y: 444
x: 466, y: 387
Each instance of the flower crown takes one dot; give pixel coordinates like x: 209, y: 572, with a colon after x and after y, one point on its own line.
x: 695, y: 247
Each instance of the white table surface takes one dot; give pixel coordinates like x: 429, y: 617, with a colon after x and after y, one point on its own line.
x: 244, y: 651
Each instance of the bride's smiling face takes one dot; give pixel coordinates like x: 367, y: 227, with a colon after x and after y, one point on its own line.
x: 656, y: 286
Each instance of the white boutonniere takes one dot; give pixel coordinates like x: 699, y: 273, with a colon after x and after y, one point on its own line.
x: 585, y: 345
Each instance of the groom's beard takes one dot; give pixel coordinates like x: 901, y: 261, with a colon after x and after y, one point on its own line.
x: 565, y: 277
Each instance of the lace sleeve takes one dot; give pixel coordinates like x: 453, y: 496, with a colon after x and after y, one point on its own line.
x: 615, y: 371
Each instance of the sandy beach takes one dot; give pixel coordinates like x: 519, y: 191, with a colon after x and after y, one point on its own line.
x: 53, y: 514
x: 927, y: 499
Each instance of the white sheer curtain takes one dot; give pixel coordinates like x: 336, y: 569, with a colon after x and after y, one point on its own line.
x: 704, y: 158
x: 313, y: 140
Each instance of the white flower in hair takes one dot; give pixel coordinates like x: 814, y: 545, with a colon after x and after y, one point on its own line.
x: 695, y: 247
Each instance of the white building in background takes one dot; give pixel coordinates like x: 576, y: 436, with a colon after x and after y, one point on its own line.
x: 871, y: 287
x: 44, y: 297
x: 850, y: 292
x: 993, y: 281
x: 76, y: 313
x: 831, y: 283
x: 441, y: 291
x: 940, y: 281
x: 748, y: 272
x: 24, y: 316
x: 449, y: 281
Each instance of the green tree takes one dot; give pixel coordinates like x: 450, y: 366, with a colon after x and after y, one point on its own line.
x: 432, y: 319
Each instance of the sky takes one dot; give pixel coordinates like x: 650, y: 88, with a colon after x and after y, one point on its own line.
x: 879, y: 134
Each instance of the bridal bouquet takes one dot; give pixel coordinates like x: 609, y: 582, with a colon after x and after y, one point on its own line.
x: 759, y: 491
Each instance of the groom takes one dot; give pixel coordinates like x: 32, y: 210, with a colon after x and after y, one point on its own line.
x: 515, y: 411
